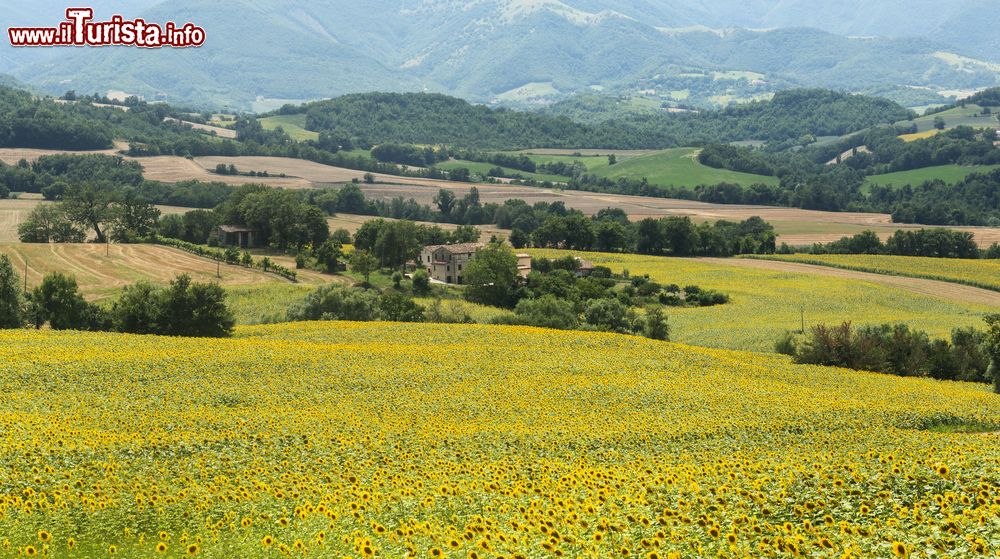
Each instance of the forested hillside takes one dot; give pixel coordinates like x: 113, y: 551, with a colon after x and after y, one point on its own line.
x: 374, y: 118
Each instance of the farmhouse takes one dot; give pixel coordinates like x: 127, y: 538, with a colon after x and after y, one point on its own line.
x: 235, y: 235
x: 447, y: 262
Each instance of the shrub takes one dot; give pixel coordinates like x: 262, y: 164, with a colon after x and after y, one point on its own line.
x: 657, y: 327
x: 608, y: 314
x: 393, y: 306
x: 11, y: 300
x: 196, y: 310
x: 58, y: 302
x: 421, y: 282
x: 547, y: 311
x: 333, y: 302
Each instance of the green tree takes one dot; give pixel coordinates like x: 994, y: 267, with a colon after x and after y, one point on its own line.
x: 491, y: 276
x: 134, y: 219
x: 11, y: 299
x: 197, y: 310
x: 48, y: 223
x: 993, y: 348
x: 608, y: 314
x: 329, y: 254
x: 137, y: 309
x: 445, y: 201
x: 547, y: 311
x: 657, y: 327
x: 362, y: 262
x: 393, y: 306
x: 92, y: 205
x: 58, y: 302
x: 421, y: 282
x: 939, y: 123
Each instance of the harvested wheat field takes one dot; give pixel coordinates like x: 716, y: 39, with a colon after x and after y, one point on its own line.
x: 354, y: 222
x: 13, y: 212
x: 101, y: 270
x: 932, y: 288
x: 218, y: 130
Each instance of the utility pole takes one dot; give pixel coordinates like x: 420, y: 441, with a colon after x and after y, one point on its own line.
x: 107, y: 248
x: 218, y: 269
x: 25, y: 275
x: 802, y: 309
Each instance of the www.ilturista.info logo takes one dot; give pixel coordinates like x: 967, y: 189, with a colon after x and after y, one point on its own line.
x: 80, y: 31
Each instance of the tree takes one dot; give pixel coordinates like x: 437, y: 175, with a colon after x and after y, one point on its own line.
x: 58, y: 302
x: 11, y: 300
x: 445, y: 201
x: 362, y: 262
x: 134, y: 219
x: 91, y: 205
x: 197, y: 310
x: 939, y: 123
x: 393, y: 306
x: 547, y: 311
x: 612, y: 159
x: 491, y: 275
x: 137, y: 309
x: 519, y: 239
x: 329, y: 254
x: 993, y: 348
x: 369, y: 178
x: 656, y: 325
x: 421, y: 282
x: 49, y: 223
x: 608, y: 314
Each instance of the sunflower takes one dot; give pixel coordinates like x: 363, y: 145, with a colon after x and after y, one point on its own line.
x: 161, y: 547
x: 899, y: 550
x: 192, y: 549
x: 44, y: 536
x: 30, y: 551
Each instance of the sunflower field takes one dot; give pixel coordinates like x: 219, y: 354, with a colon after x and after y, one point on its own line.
x: 977, y: 273
x: 368, y: 440
x: 764, y: 304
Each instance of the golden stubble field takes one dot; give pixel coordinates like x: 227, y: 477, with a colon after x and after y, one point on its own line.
x: 795, y: 226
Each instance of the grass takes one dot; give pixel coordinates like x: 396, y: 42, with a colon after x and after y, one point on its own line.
x: 482, y: 169
x: 984, y: 274
x: 947, y: 173
x: 677, y: 167
x: 264, y: 304
x: 970, y: 115
x: 765, y: 304
x: 293, y: 125
x: 330, y: 439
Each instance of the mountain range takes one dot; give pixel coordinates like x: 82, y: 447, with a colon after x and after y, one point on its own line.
x: 261, y: 54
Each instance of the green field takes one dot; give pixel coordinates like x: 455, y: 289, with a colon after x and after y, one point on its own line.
x: 947, y: 173
x: 970, y: 115
x: 677, y: 167
x: 293, y: 125
x: 482, y: 169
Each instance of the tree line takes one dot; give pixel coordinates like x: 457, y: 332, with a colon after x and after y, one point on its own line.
x: 970, y: 355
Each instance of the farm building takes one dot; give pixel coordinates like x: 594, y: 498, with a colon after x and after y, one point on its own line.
x: 237, y: 236
x: 523, y: 265
x: 447, y: 262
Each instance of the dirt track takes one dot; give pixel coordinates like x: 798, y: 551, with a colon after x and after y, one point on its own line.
x: 931, y: 288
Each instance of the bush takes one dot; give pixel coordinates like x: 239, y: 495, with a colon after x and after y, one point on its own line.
x: 547, y: 311
x: 11, y: 300
x: 396, y: 307
x: 58, y: 302
x: 608, y: 314
x: 421, y: 282
x: 657, y: 327
x: 196, y: 310
x: 333, y: 302
x: 787, y: 345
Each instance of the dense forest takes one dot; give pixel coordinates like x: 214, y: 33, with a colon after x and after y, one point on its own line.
x: 412, y: 118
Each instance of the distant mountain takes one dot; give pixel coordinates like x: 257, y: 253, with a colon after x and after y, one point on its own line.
x: 263, y: 53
